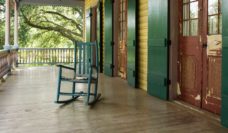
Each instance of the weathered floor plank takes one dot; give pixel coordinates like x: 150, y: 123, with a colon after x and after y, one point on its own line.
x: 27, y: 105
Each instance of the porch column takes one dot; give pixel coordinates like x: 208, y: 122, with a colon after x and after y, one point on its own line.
x: 16, y: 6
x: 7, y: 25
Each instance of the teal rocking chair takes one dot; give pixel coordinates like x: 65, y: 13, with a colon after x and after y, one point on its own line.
x: 85, y: 69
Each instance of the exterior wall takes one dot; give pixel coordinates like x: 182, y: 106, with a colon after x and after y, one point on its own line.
x: 93, y: 3
x: 142, y: 37
x: 88, y: 4
x: 174, y: 33
x: 143, y: 44
x: 116, y: 25
x: 103, y: 32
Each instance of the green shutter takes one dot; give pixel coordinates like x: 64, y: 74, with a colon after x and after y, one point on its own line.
x: 108, y: 62
x: 88, y: 25
x: 224, y: 115
x: 131, y: 43
x: 158, y: 48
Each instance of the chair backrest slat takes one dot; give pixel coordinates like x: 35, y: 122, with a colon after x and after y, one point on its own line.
x: 86, y: 55
x: 80, y: 60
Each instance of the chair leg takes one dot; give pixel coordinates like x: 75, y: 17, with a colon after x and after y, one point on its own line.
x: 73, y: 90
x: 58, y: 90
x: 88, y: 94
x: 95, y: 90
x: 59, y: 84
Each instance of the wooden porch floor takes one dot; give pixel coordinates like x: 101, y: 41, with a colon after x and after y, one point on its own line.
x: 27, y: 106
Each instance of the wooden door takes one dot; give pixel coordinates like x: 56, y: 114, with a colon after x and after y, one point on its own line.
x: 200, y: 53
x: 212, y: 56
x: 122, y: 51
x: 108, y: 62
x: 190, y: 52
x: 158, y: 48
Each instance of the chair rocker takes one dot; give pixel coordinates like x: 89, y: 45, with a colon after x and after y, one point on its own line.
x: 85, y: 71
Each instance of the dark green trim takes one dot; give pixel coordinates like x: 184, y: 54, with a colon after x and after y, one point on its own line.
x: 132, y: 42
x: 158, y: 48
x: 224, y: 113
x: 108, y: 60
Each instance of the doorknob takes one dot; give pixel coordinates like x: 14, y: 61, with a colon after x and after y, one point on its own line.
x: 204, y: 45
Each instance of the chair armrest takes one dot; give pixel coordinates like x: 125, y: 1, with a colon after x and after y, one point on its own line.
x: 66, y: 67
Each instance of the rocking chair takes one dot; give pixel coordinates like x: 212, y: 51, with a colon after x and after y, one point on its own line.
x: 85, y: 71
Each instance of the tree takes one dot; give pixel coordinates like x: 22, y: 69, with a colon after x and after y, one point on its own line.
x: 44, y: 26
x: 55, y: 24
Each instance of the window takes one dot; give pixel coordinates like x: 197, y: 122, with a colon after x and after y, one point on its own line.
x: 214, y: 17
x: 190, y: 17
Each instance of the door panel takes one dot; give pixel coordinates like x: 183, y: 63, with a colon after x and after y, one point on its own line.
x: 158, y: 49
x: 213, y: 56
x: 190, y: 58
x: 108, y: 62
x: 131, y: 43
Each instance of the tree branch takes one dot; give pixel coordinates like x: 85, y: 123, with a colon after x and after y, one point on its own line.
x: 57, y: 28
x: 78, y: 26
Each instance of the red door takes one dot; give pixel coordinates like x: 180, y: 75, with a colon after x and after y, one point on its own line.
x: 190, y: 52
x: 200, y: 53
x: 212, y: 56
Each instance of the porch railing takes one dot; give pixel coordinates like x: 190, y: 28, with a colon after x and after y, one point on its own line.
x: 8, y: 59
x: 39, y: 56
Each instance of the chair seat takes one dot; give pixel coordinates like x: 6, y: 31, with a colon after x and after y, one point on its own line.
x: 80, y: 79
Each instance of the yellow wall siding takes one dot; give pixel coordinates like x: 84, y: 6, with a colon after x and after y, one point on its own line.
x: 143, y: 43
x: 90, y: 3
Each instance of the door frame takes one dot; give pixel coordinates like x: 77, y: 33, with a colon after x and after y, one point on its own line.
x: 174, y: 48
x: 115, y: 34
x: 101, y: 29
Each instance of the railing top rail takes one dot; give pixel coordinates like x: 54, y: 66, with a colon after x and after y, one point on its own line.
x: 45, y: 48
x: 3, y: 51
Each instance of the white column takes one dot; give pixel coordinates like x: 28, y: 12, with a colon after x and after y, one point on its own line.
x: 7, y: 25
x: 16, y: 24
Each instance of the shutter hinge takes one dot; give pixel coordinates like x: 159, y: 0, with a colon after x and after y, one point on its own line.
x: 167, y: 42
x: 91, y: 14
x: 112, y: 66
x: 112, y: 43
x: 134, y: 43
x: 167, y: 82
x: 204, y: 45
x: 134, y: 74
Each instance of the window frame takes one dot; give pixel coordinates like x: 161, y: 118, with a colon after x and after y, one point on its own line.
x: 189, y: 19
x: 219, y: 14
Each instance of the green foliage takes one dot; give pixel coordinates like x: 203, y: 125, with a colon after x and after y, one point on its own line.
x: 45, y: 26
x: 52, y: 26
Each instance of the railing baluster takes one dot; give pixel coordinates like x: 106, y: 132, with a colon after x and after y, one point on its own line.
x: 41, y: 56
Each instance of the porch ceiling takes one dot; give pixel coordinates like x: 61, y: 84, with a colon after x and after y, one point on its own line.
x: 68, y: 3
